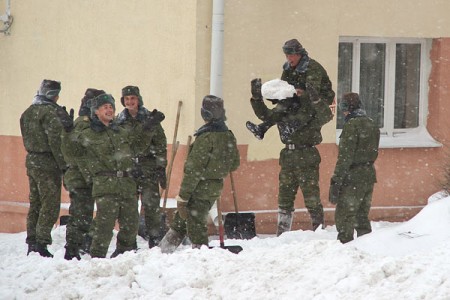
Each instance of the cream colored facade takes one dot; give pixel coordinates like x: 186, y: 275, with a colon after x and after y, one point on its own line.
x: 163, y: 46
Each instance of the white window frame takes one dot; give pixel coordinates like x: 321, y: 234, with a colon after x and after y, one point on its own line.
x: 390, y: 137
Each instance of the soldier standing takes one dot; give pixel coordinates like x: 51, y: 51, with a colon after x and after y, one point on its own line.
x: 212, y: 156
x: 299, y: 120
x: 41, y: 133
x: 77, y: 181
x: 354, y: 175
x: 110, y: 163
x: 150, y: 150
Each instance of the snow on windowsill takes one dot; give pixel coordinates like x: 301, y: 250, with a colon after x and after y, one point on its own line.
x: 415, y: 138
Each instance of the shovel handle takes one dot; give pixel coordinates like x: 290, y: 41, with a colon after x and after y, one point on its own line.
x: 233, y: 191
x: 221, y: 231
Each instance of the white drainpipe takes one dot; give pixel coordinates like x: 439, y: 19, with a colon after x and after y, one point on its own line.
x: 215, y: 87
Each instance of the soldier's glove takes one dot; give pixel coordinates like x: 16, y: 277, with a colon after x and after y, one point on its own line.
x: 335, y: 190
x: 256, y: 89
x: 65, y: 118
x: 313, y: 95
x: 182, y: 207
x: 152, y: 119
x: 160, y: 174
x: 136, y: 172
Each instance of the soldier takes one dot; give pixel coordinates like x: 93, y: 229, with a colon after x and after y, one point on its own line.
x: 77, y: 181
x: 354, y: 175
x: 299, y: 120
x: 110, y: 163
x: 211, y: 157
x: 299, y: 70
x: 150, y: 150
x: 41, y: 133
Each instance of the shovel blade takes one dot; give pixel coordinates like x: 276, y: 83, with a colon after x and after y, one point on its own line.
x: 240, y: 225
x: 233, y: 249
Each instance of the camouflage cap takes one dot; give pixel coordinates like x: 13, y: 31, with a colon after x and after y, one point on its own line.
x: 131, y: 90
x: 292, y: 47
x: 213, y: 109
x: 101, y: 100
x: 49, y: 89
x: 350, y: 102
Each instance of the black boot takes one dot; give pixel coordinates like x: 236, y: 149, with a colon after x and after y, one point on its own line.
x: 72, y: 252
x: 153, y: 241
x: 317, y: 219
x: 257, y: 130
x: 142, y: 231
x: 86, y: 246
x: 116, y: 253
x: 31, y: 248
x: 42, y: 250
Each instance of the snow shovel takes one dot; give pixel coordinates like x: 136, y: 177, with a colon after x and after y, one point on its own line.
x: 239, y: 225
x: 163, y: 224
x: 233, y: 249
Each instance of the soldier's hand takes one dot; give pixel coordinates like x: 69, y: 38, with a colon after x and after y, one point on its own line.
x: 256, y: 89
x: 65, y: 118
x: 313, y: 95
x: 182, y: 207
x: 152, y: 119
x: 335, y: 190
x: 161, y: 177
x: 136, y: 172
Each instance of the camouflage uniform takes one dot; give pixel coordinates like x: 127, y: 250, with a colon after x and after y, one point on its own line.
x: 355, y: 174
x: 150, y: 151
x: 212, y: 156
x: 299, y: 121
x: 309, y: 71
x: 41, y: 133
x: 109, y: 158
x: 78, y: 182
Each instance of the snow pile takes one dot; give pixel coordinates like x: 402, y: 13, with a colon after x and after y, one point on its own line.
x: 277, y: 89
x: 397, y: 261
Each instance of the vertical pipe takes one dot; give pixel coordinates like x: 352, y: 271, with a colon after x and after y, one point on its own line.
x: 215, y: 87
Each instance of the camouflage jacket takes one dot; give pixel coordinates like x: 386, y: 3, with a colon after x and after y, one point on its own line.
x: 74, y: 177
x: 358, y: 150
x: 299, y: 120
x: 107, y: 149
x: 309, y: 71
x: 149, y: 146
x: 41, y: 129
x: 213, y: 155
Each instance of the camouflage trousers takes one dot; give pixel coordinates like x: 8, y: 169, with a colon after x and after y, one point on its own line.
x: 150, y: 199
x: 201, y: 201
x: 352, y: 211
x: 300, y: 169
x: 81, y: 212
x: 45, y: 203
x: 109, y: 209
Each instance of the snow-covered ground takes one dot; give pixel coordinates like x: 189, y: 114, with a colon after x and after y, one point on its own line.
x: 408, y: 260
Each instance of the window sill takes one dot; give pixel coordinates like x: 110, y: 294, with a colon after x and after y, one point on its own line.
x: 415, y: 138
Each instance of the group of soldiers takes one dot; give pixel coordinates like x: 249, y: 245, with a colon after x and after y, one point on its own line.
x: 112, y: 161
x: 104, y: 159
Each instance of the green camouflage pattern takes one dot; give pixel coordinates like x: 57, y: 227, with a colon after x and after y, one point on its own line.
x: 79, y: 185
x: 212, y: 156
x: 108, y: 149
x: 150, y: 149
x: 41, y: 130
x: 315, y: 75
x: 358, y: 150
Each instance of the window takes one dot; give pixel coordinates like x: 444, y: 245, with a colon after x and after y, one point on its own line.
x: 390, y: 75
